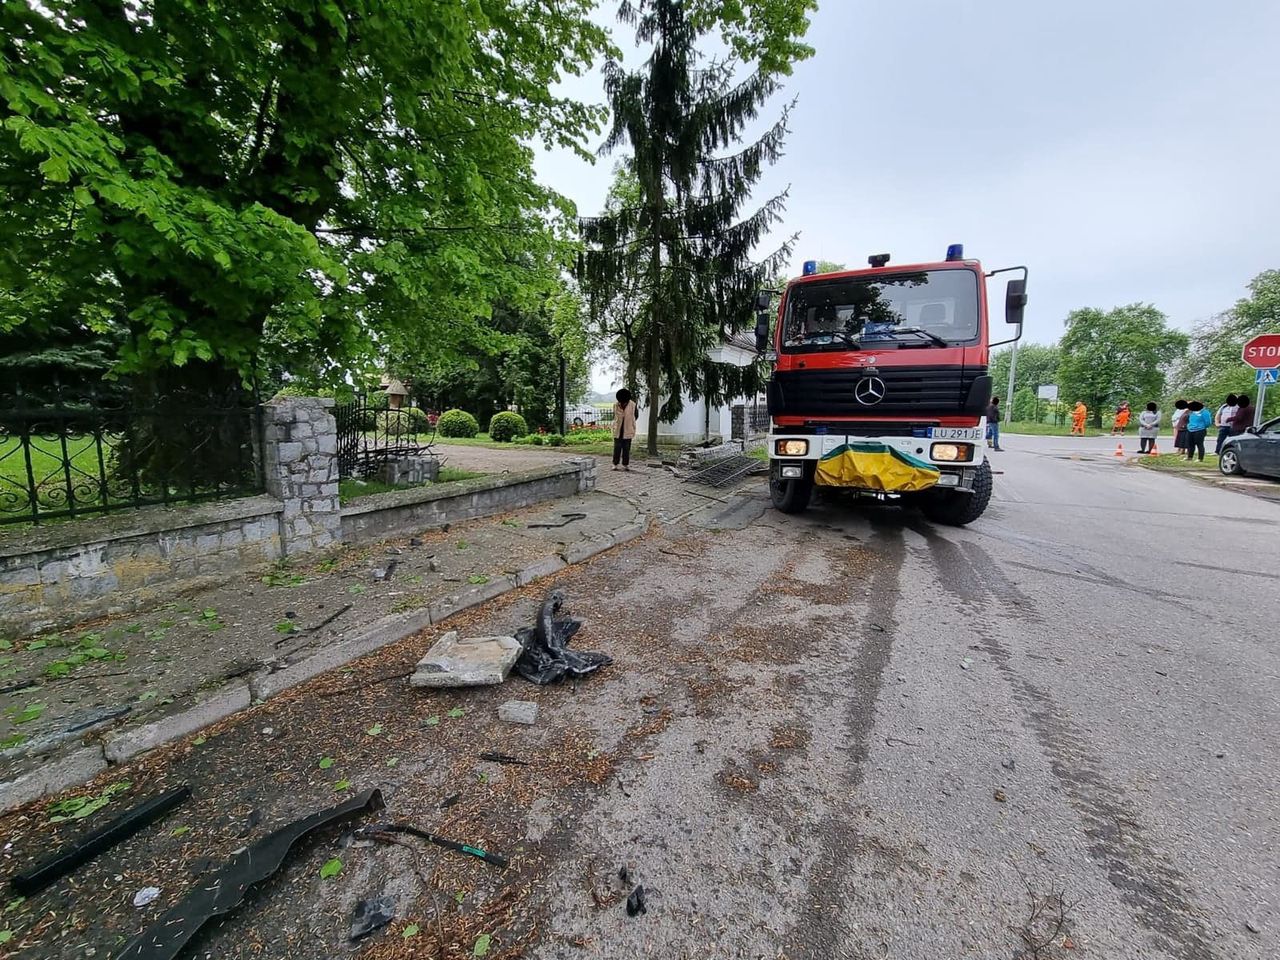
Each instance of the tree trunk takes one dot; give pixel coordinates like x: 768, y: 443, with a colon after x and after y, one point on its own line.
x: 655, y: 336
x: 655, y: 373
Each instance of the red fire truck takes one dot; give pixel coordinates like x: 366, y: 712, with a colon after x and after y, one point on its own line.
x: 880, y: 383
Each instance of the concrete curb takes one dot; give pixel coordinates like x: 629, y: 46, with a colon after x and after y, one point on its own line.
x: 87, y: 762
x: 53, y: 776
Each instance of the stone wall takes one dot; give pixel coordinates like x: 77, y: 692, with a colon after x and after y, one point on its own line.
x: 300, y: 447
x: 383, y: 515
x: 65, y: 573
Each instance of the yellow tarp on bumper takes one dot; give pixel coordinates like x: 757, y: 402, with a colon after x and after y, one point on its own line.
x: 875, y: 466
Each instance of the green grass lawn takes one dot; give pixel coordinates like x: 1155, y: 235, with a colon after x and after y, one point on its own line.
x: 1051, y: 429
x: 352, y: 489
x: 1175, y: 462
x: 46, y: 458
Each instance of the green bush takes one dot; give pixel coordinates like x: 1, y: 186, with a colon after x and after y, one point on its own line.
x: 553, y: 440
x: 457, y: 423
x: 506, y: 426
x: 584, y: 437
x: 405, y: 422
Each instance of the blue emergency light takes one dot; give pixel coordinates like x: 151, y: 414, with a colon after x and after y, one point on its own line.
x: 955, y: 251
x: 810, y: 268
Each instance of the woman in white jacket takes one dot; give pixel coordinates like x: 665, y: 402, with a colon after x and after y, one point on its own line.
x: 1148, y: 428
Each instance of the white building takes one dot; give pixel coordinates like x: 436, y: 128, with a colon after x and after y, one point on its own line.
x: 698, y: 422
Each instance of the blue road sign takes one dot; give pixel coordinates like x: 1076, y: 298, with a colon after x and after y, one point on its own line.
x: 1266, y: 378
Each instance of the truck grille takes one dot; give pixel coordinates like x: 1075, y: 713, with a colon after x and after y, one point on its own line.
x: 907, y: 390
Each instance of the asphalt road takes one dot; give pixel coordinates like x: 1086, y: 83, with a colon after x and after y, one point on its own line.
x: 1050, y: 734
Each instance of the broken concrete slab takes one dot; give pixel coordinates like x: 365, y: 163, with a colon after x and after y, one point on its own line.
x: 518, y: 711
x: 473, y: 662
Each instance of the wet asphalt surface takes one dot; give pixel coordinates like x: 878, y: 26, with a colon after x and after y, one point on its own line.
x: 845, y: 734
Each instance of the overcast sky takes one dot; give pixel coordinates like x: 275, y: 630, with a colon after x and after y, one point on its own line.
x: 1124, y: 151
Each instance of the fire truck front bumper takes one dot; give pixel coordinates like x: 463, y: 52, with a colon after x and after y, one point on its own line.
x: 883, y: 464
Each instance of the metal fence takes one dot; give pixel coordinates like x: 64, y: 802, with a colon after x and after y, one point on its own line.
x: 74, y: 451
x: 750, y: 420
x: 372, y: 432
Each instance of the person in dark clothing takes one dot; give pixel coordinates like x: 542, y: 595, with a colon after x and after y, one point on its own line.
x: 1243, y: 418
x: 993, y: 423
x: 1222, y: 420
x: 1179, y: 424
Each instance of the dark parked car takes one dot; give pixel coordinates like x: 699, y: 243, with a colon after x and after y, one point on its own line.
x: 1257, y: 451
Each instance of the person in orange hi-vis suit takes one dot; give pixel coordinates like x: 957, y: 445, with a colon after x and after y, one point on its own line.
x: 1077, y: 418
x: 1122, y: 419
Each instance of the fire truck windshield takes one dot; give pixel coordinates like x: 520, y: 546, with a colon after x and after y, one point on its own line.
x: 926, y: 307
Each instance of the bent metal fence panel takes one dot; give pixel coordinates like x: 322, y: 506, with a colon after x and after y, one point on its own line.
x: 77, y: 451
x: 372, y: 432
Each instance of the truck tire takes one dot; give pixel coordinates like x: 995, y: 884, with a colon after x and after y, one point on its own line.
x: 956, y: 509
x: 790, y: 496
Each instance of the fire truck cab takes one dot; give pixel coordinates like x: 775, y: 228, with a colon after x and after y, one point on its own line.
x: 880, y: 383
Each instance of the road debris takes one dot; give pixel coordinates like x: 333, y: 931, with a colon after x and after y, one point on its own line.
x: 518, y: 711
x: 566, y: 519
x: 370, y: 915
x: 105, y: 837
x: 1251, y: 927
x: 547, y: 657
x: 474, y: 662
x: 385, y: 832
x: 504, y: 758
x: 999, y: 796
x: 635, y: 903
x: 145, y: 895
x: 966, y: 663
x: 175, y: 928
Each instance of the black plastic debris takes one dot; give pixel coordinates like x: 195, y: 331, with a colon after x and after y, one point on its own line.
x: 371, y: 915
x: 223, y: 892
x: 635, y: 902
x: 104, y: 838
x: 504, y: 758
x: 547, y: 657
x: 565, y: 520
x: 384, y: 831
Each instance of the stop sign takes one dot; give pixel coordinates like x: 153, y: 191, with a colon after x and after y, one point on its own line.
x: 1263, y: 351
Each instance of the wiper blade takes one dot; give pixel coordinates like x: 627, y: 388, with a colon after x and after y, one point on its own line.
x: 919, y: 331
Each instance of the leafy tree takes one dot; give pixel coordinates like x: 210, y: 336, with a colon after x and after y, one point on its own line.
x: 1025, y: 406
x: 830, y: 266
x: 1120, y: 354
x: 1037, y: 365
x: 682, y: 243
x: 1213, y: 368
x: 519, y: 364
x: 305, y: 176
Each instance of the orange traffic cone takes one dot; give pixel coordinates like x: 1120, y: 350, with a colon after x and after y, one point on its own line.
x: 1119, y: 451
x: 1153, y: 451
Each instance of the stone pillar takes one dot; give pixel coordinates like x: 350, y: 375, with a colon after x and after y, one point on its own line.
x: 587, y: 467
x: 300, y: 459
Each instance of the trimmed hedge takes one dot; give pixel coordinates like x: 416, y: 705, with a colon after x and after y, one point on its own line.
x: 457, y: 423
x: 404, y: 422
x: 506, y: 426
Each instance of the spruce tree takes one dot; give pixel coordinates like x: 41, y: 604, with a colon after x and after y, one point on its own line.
x: 685, y: 238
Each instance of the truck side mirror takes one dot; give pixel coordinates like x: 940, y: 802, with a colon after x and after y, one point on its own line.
x: 1015, y: 301
x: 762, y: 331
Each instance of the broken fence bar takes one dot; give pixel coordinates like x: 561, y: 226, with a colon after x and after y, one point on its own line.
x: 373, y: 830
x: 81, y: 851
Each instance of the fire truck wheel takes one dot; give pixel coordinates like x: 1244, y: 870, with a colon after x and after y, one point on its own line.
x: 957, y: 509
x: 790, y: 496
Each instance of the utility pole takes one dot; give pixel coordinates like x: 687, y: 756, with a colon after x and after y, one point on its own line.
x: 560, y: 414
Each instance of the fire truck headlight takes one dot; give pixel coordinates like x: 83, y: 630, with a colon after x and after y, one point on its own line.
x: 792, y: 448
x: 953, y: 452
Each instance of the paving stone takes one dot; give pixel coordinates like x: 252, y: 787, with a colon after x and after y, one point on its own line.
x: 473, y: 662
x: 518, y: 711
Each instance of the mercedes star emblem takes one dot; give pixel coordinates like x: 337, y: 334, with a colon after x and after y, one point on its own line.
x: 869, y: 391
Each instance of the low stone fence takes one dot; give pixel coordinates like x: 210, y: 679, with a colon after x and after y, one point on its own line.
x: 383, y: 515
x: 60, y: 574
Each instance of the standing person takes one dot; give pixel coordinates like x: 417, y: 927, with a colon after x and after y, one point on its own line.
x: 993, y: 423
x: 1121, y: 422
x: 1077, y: 418
x: 1243, y: 418
x: 624, y: 429
x: 1199, y: 420
x: 1223, y: 421
x: 1179, y: 424
x: 1148, y: 428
